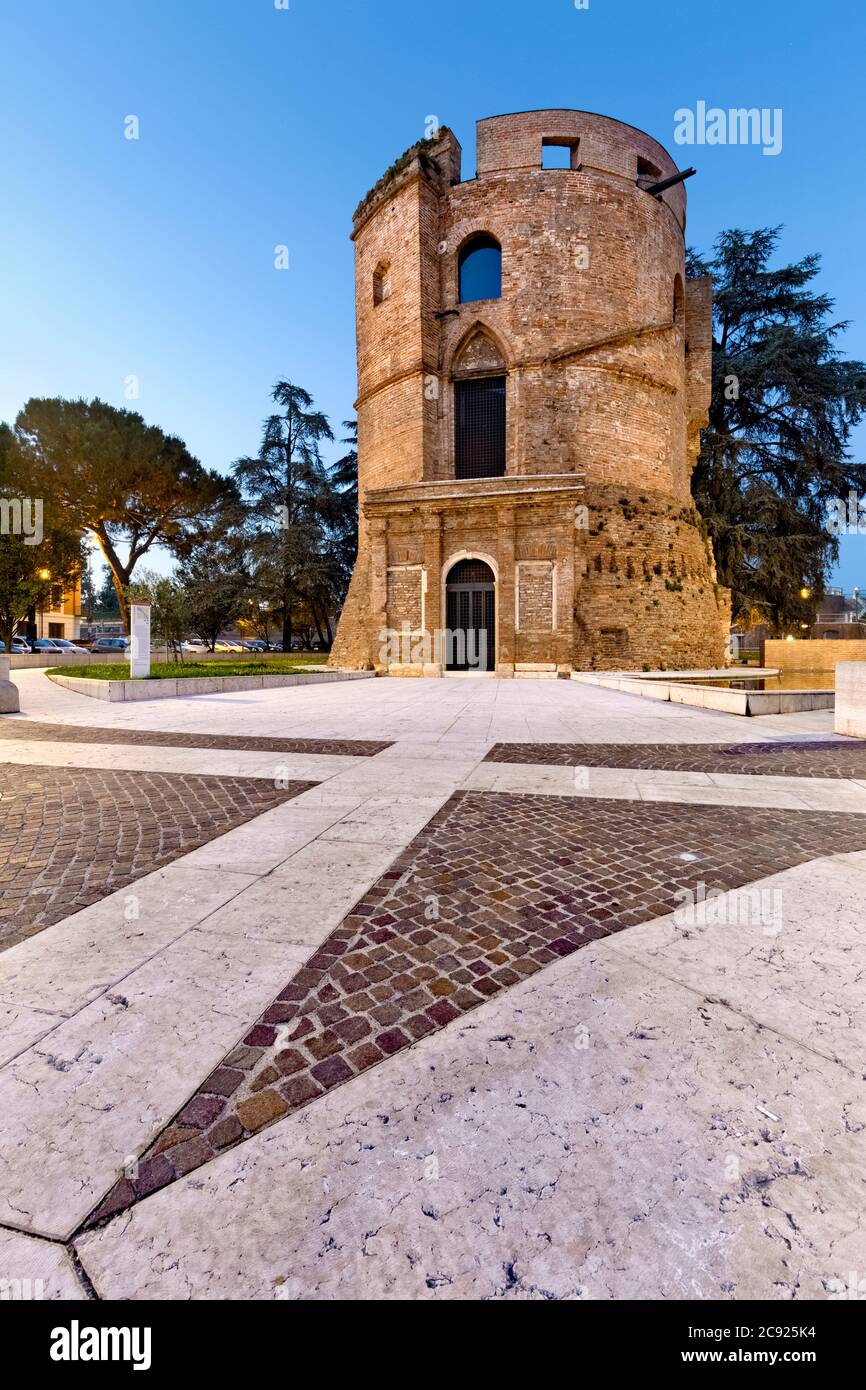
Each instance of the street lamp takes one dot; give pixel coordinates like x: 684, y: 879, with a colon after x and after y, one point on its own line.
x: 44, y: 576
x: 805, y: 593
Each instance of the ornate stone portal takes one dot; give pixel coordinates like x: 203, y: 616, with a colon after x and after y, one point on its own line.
x: 548, y: 429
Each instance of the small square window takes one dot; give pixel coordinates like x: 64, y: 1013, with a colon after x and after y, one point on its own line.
x: 559, y: 154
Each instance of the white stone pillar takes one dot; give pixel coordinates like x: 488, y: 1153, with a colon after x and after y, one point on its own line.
x: 850, y: 711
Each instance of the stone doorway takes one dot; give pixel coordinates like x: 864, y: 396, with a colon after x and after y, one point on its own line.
x: 470, y: 594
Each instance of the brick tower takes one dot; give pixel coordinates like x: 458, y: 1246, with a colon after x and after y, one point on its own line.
x: 533, y: 376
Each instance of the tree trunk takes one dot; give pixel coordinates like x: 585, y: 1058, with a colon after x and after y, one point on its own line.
x: 323, y: 640
x: 120, y: 574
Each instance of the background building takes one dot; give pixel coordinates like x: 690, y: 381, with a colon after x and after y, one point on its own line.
x: 60, y: 613
x: 840, y: 616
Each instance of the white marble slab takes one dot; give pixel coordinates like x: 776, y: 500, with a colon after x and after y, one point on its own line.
x: 303, y: 900
x: 600, y: 1132
x: 210, y: 762
x: 71, y: 963
x: 36, y: 1270
x: 20, y: 1026
x: 788, y: 951
x: 93, y: 1094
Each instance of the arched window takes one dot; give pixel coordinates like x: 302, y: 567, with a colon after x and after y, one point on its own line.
x: 480, y: 269
x: 381, y: 282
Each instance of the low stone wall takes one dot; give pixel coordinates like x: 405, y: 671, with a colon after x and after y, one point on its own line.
x: 9, y: 700
x: 123, y: 690
x: 851, y: 698
x: 654, y: 686
x: 22, y: 661
x: 820, y: 655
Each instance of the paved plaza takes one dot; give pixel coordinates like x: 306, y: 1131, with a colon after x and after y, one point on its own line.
x: 461, y: 988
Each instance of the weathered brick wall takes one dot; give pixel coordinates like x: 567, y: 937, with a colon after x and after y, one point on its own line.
x: 820, y: 655
x: 607, y: 355
x: 649, y: 578
x: 535, y: 585
x: 404, y: 598
x: 515, y: 141
x: 352, y: 648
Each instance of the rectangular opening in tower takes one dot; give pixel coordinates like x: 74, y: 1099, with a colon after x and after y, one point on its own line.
x: 559, y: 154
x: 480, y: 427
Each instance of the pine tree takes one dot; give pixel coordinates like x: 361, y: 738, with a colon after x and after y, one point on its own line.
x: 776, y: 452
x: 288, y: 492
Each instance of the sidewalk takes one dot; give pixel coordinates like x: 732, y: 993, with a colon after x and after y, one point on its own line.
x: 600, y: 1125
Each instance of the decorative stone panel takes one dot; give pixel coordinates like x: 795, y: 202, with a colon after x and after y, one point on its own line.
x: 406, y: 597
x: 536, y: 596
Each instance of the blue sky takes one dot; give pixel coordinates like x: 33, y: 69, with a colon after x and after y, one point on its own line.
x: 261, y: 126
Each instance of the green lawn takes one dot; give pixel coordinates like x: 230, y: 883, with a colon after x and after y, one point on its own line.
x: 300, y: 658
x: 174, y: 670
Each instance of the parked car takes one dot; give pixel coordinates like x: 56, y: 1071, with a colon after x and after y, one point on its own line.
x: 47, y: 644
x: 66, y: 646
x: 20, y: 644
x: 194, y: 644
x: 228, y: 647
x: 109, y: 644
x: 256, y: 645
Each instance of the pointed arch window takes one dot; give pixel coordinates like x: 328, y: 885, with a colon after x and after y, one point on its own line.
x: 480, y: 379
x: 480, y: 269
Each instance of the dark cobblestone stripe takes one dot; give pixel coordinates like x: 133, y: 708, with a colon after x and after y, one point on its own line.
x: 74, y: 733
x: 495, y: 888
x: 783, y: 759
x: 70, y: 836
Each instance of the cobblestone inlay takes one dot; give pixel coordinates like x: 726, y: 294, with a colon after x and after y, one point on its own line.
x: 494, y: 888
x: 32, y: 729
x: 784, y: 759
x: 70, y: 836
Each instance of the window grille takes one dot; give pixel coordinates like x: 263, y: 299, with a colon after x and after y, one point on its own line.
x: 479, y: 404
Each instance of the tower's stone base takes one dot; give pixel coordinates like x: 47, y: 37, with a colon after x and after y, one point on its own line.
x: 587, y: 578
